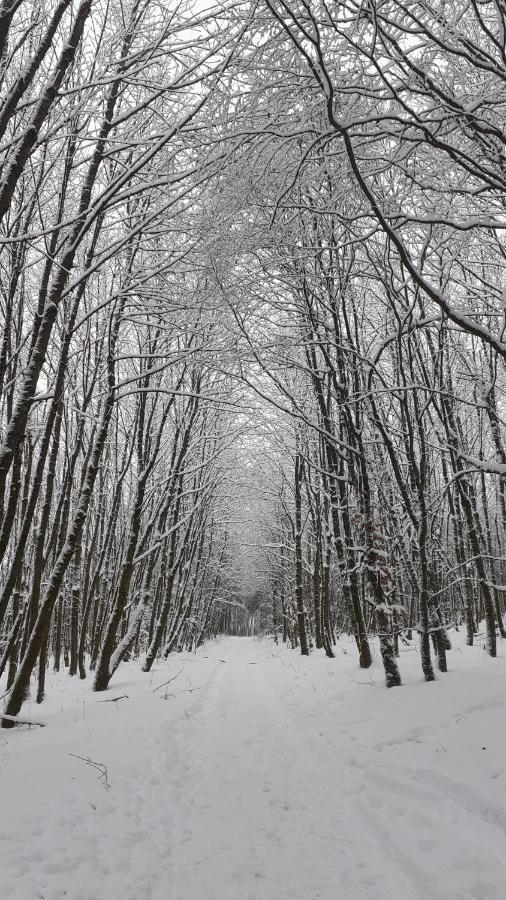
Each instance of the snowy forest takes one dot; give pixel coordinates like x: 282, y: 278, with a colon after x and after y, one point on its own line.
x: 252, y: 410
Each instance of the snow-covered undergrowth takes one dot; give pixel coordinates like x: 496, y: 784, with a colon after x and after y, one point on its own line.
x: 255, y: 774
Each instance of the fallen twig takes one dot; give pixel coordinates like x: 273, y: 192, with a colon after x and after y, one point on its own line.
x: 167, y: 682
x: 113, y: 699
x: 101, y: 768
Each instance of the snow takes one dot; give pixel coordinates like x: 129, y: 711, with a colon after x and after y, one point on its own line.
x: 256, y: 774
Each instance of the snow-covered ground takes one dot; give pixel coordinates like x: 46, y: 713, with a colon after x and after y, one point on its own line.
x: 258, y: 775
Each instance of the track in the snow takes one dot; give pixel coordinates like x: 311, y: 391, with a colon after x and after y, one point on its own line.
x: 256, y: 775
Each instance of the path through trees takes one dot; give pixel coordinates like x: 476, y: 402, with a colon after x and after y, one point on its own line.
x: 246, y: 771
x: 253, y: 320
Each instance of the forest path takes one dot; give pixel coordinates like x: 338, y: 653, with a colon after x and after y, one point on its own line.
x: 254, y: 774
x: 264, y: 801
x: 274, y: 805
